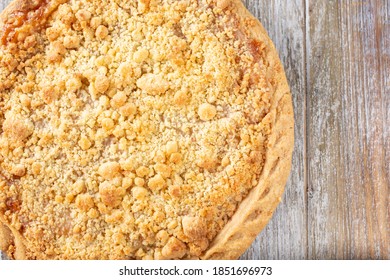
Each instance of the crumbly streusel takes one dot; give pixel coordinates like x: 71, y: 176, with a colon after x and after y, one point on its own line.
x: 129, y: 129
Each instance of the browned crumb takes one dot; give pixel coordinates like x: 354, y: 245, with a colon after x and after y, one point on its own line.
x: 130, y: 129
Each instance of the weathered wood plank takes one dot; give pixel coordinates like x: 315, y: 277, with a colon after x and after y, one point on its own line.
x: 365, y: 24
x: 3, y: 4
x: 383, y: 26
x: 285, y: 237
x: 348, y: 181
x: 323, y: 115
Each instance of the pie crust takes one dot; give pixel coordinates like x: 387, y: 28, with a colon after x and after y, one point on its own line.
x: 139, y: 129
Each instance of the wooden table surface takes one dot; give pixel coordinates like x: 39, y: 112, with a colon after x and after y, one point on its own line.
x: 336, y: 55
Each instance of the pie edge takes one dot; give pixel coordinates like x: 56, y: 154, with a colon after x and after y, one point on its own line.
x: 255, y: 211
x: 239, y: 233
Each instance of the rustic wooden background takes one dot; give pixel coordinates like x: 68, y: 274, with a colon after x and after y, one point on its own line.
x: 336, y: 55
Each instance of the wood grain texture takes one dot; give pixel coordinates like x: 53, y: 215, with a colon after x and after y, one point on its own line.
x: 336, y: 55
x: 285, y: 236
x: 347, y: 176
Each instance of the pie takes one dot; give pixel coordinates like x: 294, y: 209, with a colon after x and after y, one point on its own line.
x: 149, y: 129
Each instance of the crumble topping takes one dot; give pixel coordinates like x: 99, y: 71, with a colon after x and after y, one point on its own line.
x: 129, y: 129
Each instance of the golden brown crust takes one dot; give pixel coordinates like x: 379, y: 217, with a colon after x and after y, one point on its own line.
x: 22, y: 16
x: 12, y: 243
x: 9, y: 10
x: 5, y: 238
x: 192, y: 234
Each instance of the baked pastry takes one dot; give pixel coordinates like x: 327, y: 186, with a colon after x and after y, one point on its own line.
x: 149, y: 129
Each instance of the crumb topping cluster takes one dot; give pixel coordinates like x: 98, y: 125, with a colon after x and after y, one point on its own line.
x: 130, y: 129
